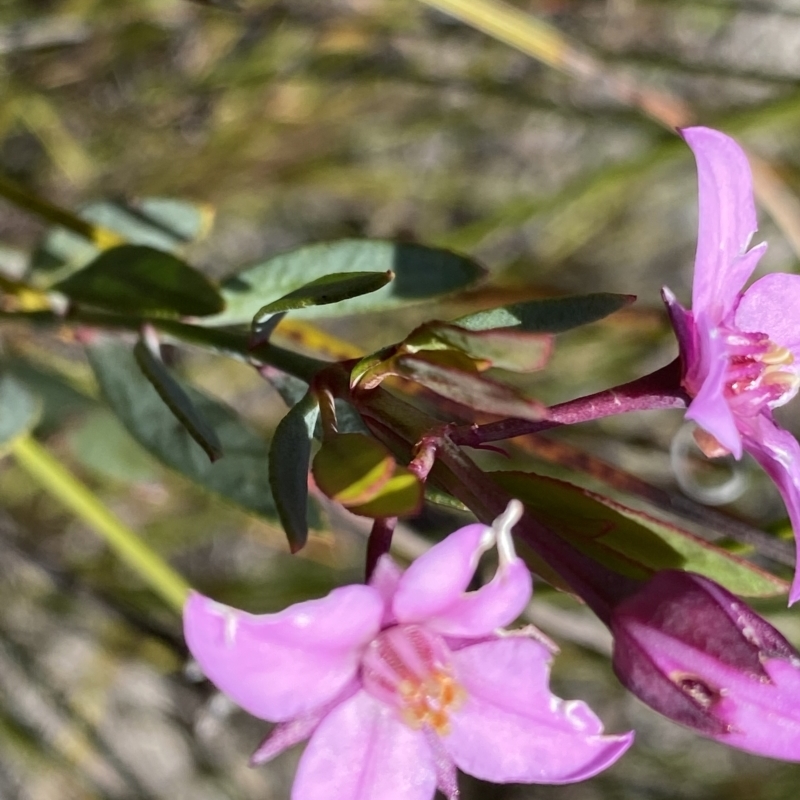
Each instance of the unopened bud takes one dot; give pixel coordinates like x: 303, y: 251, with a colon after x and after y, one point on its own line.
x: 697, y: 654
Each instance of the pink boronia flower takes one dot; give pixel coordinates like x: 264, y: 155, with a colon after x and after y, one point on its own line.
x: 399, y: 682
x: 740, y: 350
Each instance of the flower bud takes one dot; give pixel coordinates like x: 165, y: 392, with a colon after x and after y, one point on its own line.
x: 697, y: 654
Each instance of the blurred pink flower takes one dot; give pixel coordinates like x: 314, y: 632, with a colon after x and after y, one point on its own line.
x: 399, y: 682
x: 740, y: 350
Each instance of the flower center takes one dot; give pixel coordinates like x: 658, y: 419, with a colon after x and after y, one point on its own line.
x: 761, y: 374
x: 410, y: 668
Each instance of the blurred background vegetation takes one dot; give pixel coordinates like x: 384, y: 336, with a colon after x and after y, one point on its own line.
x: 301, y: 121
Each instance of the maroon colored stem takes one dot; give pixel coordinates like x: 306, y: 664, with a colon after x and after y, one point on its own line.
x: 379, y: 542
x: 658, y: 390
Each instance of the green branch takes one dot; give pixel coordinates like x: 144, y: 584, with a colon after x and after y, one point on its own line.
x: 55, y: 479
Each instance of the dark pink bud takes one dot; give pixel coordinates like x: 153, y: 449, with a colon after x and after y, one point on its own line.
x: 697, y: 654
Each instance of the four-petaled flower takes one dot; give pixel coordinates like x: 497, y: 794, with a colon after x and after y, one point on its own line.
x: 399, y: 682
x: 740, y: 350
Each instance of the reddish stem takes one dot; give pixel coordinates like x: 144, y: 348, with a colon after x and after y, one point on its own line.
x: 658, y: 390
x: 379, y: 542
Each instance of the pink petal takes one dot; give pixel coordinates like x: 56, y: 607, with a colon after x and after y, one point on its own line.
x: 727, y: 221
x: 287, y: 734
x: 361, y: 751
x: 765, y: 716
x: 495, y: 605
x: 710, y: 409
x: 512, y: 728
x: 385, y: 579
x: 279, y: 666
x: 772, y: 306
x: 433, y: 589
x: 439, y: 577
x: 778, y: 452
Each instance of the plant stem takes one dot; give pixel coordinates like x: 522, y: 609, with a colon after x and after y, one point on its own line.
x: 54, y: 478
x: 232, y: 343
x: 379, y: 542
x: 99, y: 236
x: 658, y: 390
x: 402, y: 427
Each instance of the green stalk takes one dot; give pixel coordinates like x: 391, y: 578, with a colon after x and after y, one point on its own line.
x: 522, y: 31
x: 20, y: 196
x: 54, y: 478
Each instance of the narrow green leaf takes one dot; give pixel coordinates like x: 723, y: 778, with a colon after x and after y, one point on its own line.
x: 135, y: 279
x: 323, y: 291
x: 421, y: 273
x: 20, y: 409
x: 632, y: 542
x: 241, y: 477
x: 449, y: 375
x: 160, y: 222
x: 102, y: 445
x: 178, y: 402
x: 721, y: 564
x: 505, y: 349
x: 289, y: 457
x: 553, y: 315
x: 352, y: 468
x: 440, y: 498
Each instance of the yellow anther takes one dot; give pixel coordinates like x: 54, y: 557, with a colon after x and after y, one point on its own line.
x: 789, y: 380
x: 430, y: 702
x: 777, y: 355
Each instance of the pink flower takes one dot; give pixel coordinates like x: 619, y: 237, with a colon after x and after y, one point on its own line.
x: 399, y: 682
x: 699, y: 655
x: 740, y: 349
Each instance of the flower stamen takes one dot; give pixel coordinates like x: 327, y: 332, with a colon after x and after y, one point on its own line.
x: 409, y: 668
x: 761, y: 373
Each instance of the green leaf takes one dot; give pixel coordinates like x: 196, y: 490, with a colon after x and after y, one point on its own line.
x: 323, y: 291
x: 361, y: 474
x: 102, y: 445
x: 289, y: 456
x: 370, y: 370
x: 176, y: 399
x: 505, y: 349
x: 292, y: 390
x: 159, y: 222
x: 631, y: 542
x: 352, y: 468
x: 553, y: 315
x: 400, y: 496
x: 135, y: 279
x: 718, y: 563
x: 454, y: 377
x: 19, y: 410
x: 241, y: 477
x: 60, y: 399
x: 421, y: 273
x: 440, y: 498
